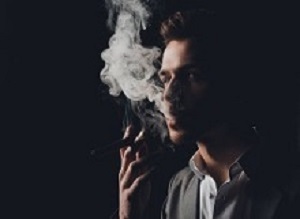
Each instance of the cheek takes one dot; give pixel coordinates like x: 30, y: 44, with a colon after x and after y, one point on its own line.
x: 199, y: 89
x: 197, y: 93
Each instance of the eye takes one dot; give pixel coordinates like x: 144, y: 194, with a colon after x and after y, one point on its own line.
x: 194, y: 75
x: 191, y: 75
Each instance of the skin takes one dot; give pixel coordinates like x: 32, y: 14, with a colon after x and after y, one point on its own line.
x: 195, y: 121
x: 189, y: 115
x: 180, y: 66
x: 134, y: 186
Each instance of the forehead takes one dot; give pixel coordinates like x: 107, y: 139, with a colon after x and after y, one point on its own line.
x: 179, y: 53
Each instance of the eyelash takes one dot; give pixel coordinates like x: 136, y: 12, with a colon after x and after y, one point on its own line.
x: 195, y: 76
x: 189, y: 75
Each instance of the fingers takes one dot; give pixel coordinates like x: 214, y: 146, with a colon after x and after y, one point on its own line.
x: 143, y: 178
x: 131, y: 184
x: 137, y: 167
x: 132, y: 153
x: 128, y: 157
x: 128, y: 132
x: 136, y: 164
x: 132, y: 172
x: 140, y: 145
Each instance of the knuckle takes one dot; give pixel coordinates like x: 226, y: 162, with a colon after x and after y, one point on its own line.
x: 133, y: 166
x: 139, y: 182
x: 128, y: 195
x: 127, y: 152
x: 122, y: 185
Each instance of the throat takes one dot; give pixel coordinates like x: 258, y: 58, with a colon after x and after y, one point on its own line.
x: 218, y: 171
x: 218, y: 167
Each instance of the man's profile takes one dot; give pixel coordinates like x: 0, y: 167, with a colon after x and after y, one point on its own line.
x: 228, y: 175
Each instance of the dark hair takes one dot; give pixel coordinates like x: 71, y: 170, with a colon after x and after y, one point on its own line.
x: 200, y: 24
x: 215, y: 43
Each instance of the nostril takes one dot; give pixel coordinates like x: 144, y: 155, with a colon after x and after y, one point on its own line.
x: 174, y: 96
x: 174, y: 93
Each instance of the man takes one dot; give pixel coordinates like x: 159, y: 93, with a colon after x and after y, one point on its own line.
x: 226, y: 177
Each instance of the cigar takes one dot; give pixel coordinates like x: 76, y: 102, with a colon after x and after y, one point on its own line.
x: 113, y: 147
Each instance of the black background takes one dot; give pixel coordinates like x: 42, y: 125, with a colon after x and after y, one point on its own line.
x: 53, y: 113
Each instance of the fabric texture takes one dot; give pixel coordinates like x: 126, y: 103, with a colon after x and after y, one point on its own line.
x: 267, y: 195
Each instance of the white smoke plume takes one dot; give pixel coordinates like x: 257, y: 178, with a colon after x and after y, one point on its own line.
x: 129, y: 67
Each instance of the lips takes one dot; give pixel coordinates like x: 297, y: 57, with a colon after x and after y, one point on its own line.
x: 171, y: 115
x: 177, y: 119
x: 177, y: 115
x: 175, y: 112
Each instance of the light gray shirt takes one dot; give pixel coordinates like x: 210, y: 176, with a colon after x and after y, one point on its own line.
x: 227, y: 201
x: 257, y: 189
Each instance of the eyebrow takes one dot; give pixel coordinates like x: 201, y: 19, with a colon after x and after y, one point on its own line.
x: 182, y: 68
x: 187, y: 66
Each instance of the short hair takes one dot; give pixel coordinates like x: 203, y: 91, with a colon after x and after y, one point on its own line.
x: 215, y: 40
x: 198, y: 23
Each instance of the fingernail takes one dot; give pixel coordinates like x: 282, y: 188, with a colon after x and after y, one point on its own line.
x: 129, y: 149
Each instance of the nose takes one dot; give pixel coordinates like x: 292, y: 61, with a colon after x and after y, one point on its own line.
x: 174, y: 93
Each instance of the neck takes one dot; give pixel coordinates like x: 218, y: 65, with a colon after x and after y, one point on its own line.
x: 219, y: 153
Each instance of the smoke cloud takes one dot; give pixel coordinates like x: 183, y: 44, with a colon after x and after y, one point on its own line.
x: 130, y: 67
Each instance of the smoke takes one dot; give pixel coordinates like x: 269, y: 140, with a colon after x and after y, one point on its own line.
x: 130, y: 67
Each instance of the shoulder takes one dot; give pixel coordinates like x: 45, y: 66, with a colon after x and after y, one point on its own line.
x: 182, y: 194
x: 183, y: 179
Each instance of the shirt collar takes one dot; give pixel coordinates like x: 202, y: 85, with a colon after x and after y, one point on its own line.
x: 197, y: 166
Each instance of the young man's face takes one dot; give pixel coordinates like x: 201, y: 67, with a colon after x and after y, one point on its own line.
x: 187, y: 108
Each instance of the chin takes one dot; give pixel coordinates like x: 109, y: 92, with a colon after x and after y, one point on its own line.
x: 180, y: 136
x: 176, y: 137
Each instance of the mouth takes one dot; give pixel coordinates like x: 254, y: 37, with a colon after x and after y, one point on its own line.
x: 177, y: 120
